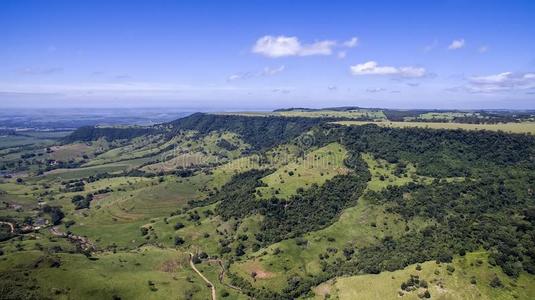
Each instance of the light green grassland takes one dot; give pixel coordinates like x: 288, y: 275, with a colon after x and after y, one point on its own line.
x: 350, y: 114
x: 117, y: 218
x: 9, y: 141
x: 125, y: 274
x: 200, y: 151
x: 444, y: 115
x: 46, y: 134
x: 76, y: 151
x: 525, y: 127
x: 138, y: 147
x: 39, y: 240
x: 75, y: 173
x: 273, y: 159
x: 358, y: 226
x: 443, y: 285
x: 314, y: 168
x: 193, y: 232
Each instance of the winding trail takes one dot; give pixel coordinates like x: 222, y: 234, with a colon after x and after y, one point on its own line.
x: 10, y: 225
x: 222, y: 274
x: 81, y: 241
x: 210, y: 284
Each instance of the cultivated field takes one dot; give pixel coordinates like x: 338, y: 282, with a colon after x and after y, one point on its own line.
x: 505, y: 127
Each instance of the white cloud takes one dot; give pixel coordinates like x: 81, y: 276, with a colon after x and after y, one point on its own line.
x: 342, y: 54
x: 280, y: 46
x: 372, y: 68
x: 351, y: 43
x: 235, y: 76
x: 483, y: 49
x: 506, y: 81
x: 456, y: 44
x: 277, y: 46
x: 272, y: 71
x: 318, y: 48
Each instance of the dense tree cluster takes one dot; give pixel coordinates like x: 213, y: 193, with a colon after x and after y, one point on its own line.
x: 55, y: 213
x: 225, y: 144
x: 93, y: 133
x: 442, y: 153
x: 259, y: 132
x: 488, y: 213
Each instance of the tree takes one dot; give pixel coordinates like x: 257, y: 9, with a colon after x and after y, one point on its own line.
x: 144, y: 231
x: 179, y: 241
x: 495, y: 282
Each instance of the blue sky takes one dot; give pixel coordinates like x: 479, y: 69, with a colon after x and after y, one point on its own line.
x: 267, y: 54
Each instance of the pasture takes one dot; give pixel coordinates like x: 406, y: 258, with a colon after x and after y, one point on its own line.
x: 144, y: 273
x: 324, y: 113
x: 315, y: 167
x: 470, y: 280
x: 523, y: 127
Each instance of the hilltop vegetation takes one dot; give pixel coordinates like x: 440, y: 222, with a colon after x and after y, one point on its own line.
x: 279, y: 206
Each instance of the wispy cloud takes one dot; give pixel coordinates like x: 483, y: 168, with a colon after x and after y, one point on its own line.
x: 502, y: 82
x: 375, y: 90
x: 281, y: 46
x: 483, y: 49
x: 373, y: 68
x: 272, y: 71
x: 122, y: 77
x: 351, y: 43
x: 456, y: 44
x: 281, y: 90
x: 40, y: 71
x: 267, y: 71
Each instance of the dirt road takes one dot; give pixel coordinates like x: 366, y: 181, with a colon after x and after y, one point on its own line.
x: 210, y: 284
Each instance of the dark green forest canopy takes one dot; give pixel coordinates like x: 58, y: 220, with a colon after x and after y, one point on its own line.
x: 259, y: 132
x: 92, y: 133
x: 443, y: 153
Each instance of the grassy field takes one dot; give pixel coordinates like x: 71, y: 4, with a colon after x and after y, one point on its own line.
x: 526, y: 127
x: 68, y: 174
x: 146, y: 273
x: 188, y: 152
x: 314, y: 168
x: 350, y: 114
x: 117, y: 218
x: 10, y: 141
x: 442, y: 284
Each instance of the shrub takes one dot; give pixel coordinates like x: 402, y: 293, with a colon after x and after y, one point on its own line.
x: 179, y: 241
x: 496, y: 282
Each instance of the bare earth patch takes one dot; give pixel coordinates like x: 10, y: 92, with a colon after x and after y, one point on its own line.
x: 256, y: 268
x: 170, y: 266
